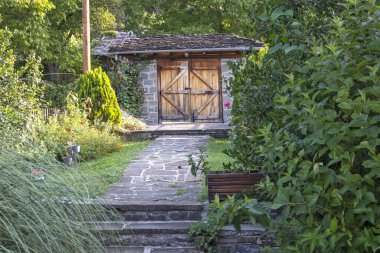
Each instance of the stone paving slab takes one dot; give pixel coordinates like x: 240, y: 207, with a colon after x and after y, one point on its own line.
x: 161, y: 172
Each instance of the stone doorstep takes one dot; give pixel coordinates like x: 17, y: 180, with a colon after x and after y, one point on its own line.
x: 143, y: 134
x: 143, y: 227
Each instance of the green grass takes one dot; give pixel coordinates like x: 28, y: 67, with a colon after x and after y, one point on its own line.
x: 100, y: 174
x: 216, y: 157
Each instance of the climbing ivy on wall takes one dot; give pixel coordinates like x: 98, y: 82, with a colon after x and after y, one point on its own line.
x: 126, y: 82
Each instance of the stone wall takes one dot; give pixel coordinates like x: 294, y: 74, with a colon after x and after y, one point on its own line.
x: 226, y: 74
x: 149, y: 80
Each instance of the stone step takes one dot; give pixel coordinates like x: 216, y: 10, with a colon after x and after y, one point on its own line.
x: 142, y: 233
x: 248, y: 234
x: 248, y: 240
x: 155, y: 206
x: 143, y: 227
x: 158, y: 211
x: 161, y: 215
x: 149, y: 240
x: 152, y: 250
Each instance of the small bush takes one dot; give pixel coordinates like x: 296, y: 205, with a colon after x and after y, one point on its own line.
x: 95, y: 88
x: 95, y: 143
x: 73, y: 127
x: 55, y: 94
x: 130, y: 122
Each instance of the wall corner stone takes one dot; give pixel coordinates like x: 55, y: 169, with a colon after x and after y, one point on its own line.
x: 148, y: 77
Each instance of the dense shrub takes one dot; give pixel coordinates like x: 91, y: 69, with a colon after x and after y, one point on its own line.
x: 318, y: 131
x: 96, y: 143
x: 55, y: 94
x: 74, y: 127
x: 94, y: 87
x: 127, y: 84
x: 327, y: 154
x: 19, y: 87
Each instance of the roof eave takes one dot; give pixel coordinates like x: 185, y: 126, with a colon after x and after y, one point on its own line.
x: 241, y: 49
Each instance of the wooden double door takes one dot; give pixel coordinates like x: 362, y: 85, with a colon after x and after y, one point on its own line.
x: 190, y: 90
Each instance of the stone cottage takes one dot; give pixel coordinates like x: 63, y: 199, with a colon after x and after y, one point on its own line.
x: 185, y: 77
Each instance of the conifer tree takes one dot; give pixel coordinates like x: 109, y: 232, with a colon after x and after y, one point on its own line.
x: 95, y: 88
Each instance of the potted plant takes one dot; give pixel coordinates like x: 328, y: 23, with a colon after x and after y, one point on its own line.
x: 224, y: 183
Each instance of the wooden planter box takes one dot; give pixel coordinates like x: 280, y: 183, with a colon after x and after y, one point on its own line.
x: 228, y: 184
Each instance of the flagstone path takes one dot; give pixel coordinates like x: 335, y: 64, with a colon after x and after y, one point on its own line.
x: 158, y: 199
x: 161, y: 172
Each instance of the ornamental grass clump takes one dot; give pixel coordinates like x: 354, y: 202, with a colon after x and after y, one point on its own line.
x: 95, y: 89
x: 40, y: 212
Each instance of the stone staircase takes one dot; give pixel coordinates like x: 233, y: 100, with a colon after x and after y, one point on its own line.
x: 162, y: 228
x: 151, y: 228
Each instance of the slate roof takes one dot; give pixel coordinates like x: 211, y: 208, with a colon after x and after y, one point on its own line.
x: 127, y: 43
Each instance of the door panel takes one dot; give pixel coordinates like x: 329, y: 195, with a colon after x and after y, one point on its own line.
x: 190, y: 90
x: 205, y: 91
x: 174, y: 91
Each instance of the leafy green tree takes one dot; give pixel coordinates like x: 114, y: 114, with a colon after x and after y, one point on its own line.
x: 50, y: 29
x: 19, y: 87
x: 95, y: 89
x: 189, y: 16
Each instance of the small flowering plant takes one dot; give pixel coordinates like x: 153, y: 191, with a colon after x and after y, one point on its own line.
x: 227, y: 104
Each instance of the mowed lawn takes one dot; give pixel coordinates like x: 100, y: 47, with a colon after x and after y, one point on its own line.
x: 98, y: 175
x: 216, y: 157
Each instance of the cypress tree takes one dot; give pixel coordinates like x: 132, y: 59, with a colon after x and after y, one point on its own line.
x: 95, y: 88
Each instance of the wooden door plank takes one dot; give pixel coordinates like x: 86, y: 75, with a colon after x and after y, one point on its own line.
x: 176, y: 91
x: 204, y: 92
x: 166, y: 86
x: 203, y: 79
x: 199, y: 110
x: 174, y: 104
x: 204, y: 68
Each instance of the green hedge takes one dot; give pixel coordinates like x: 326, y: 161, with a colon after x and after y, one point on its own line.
x: 308, y: 112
